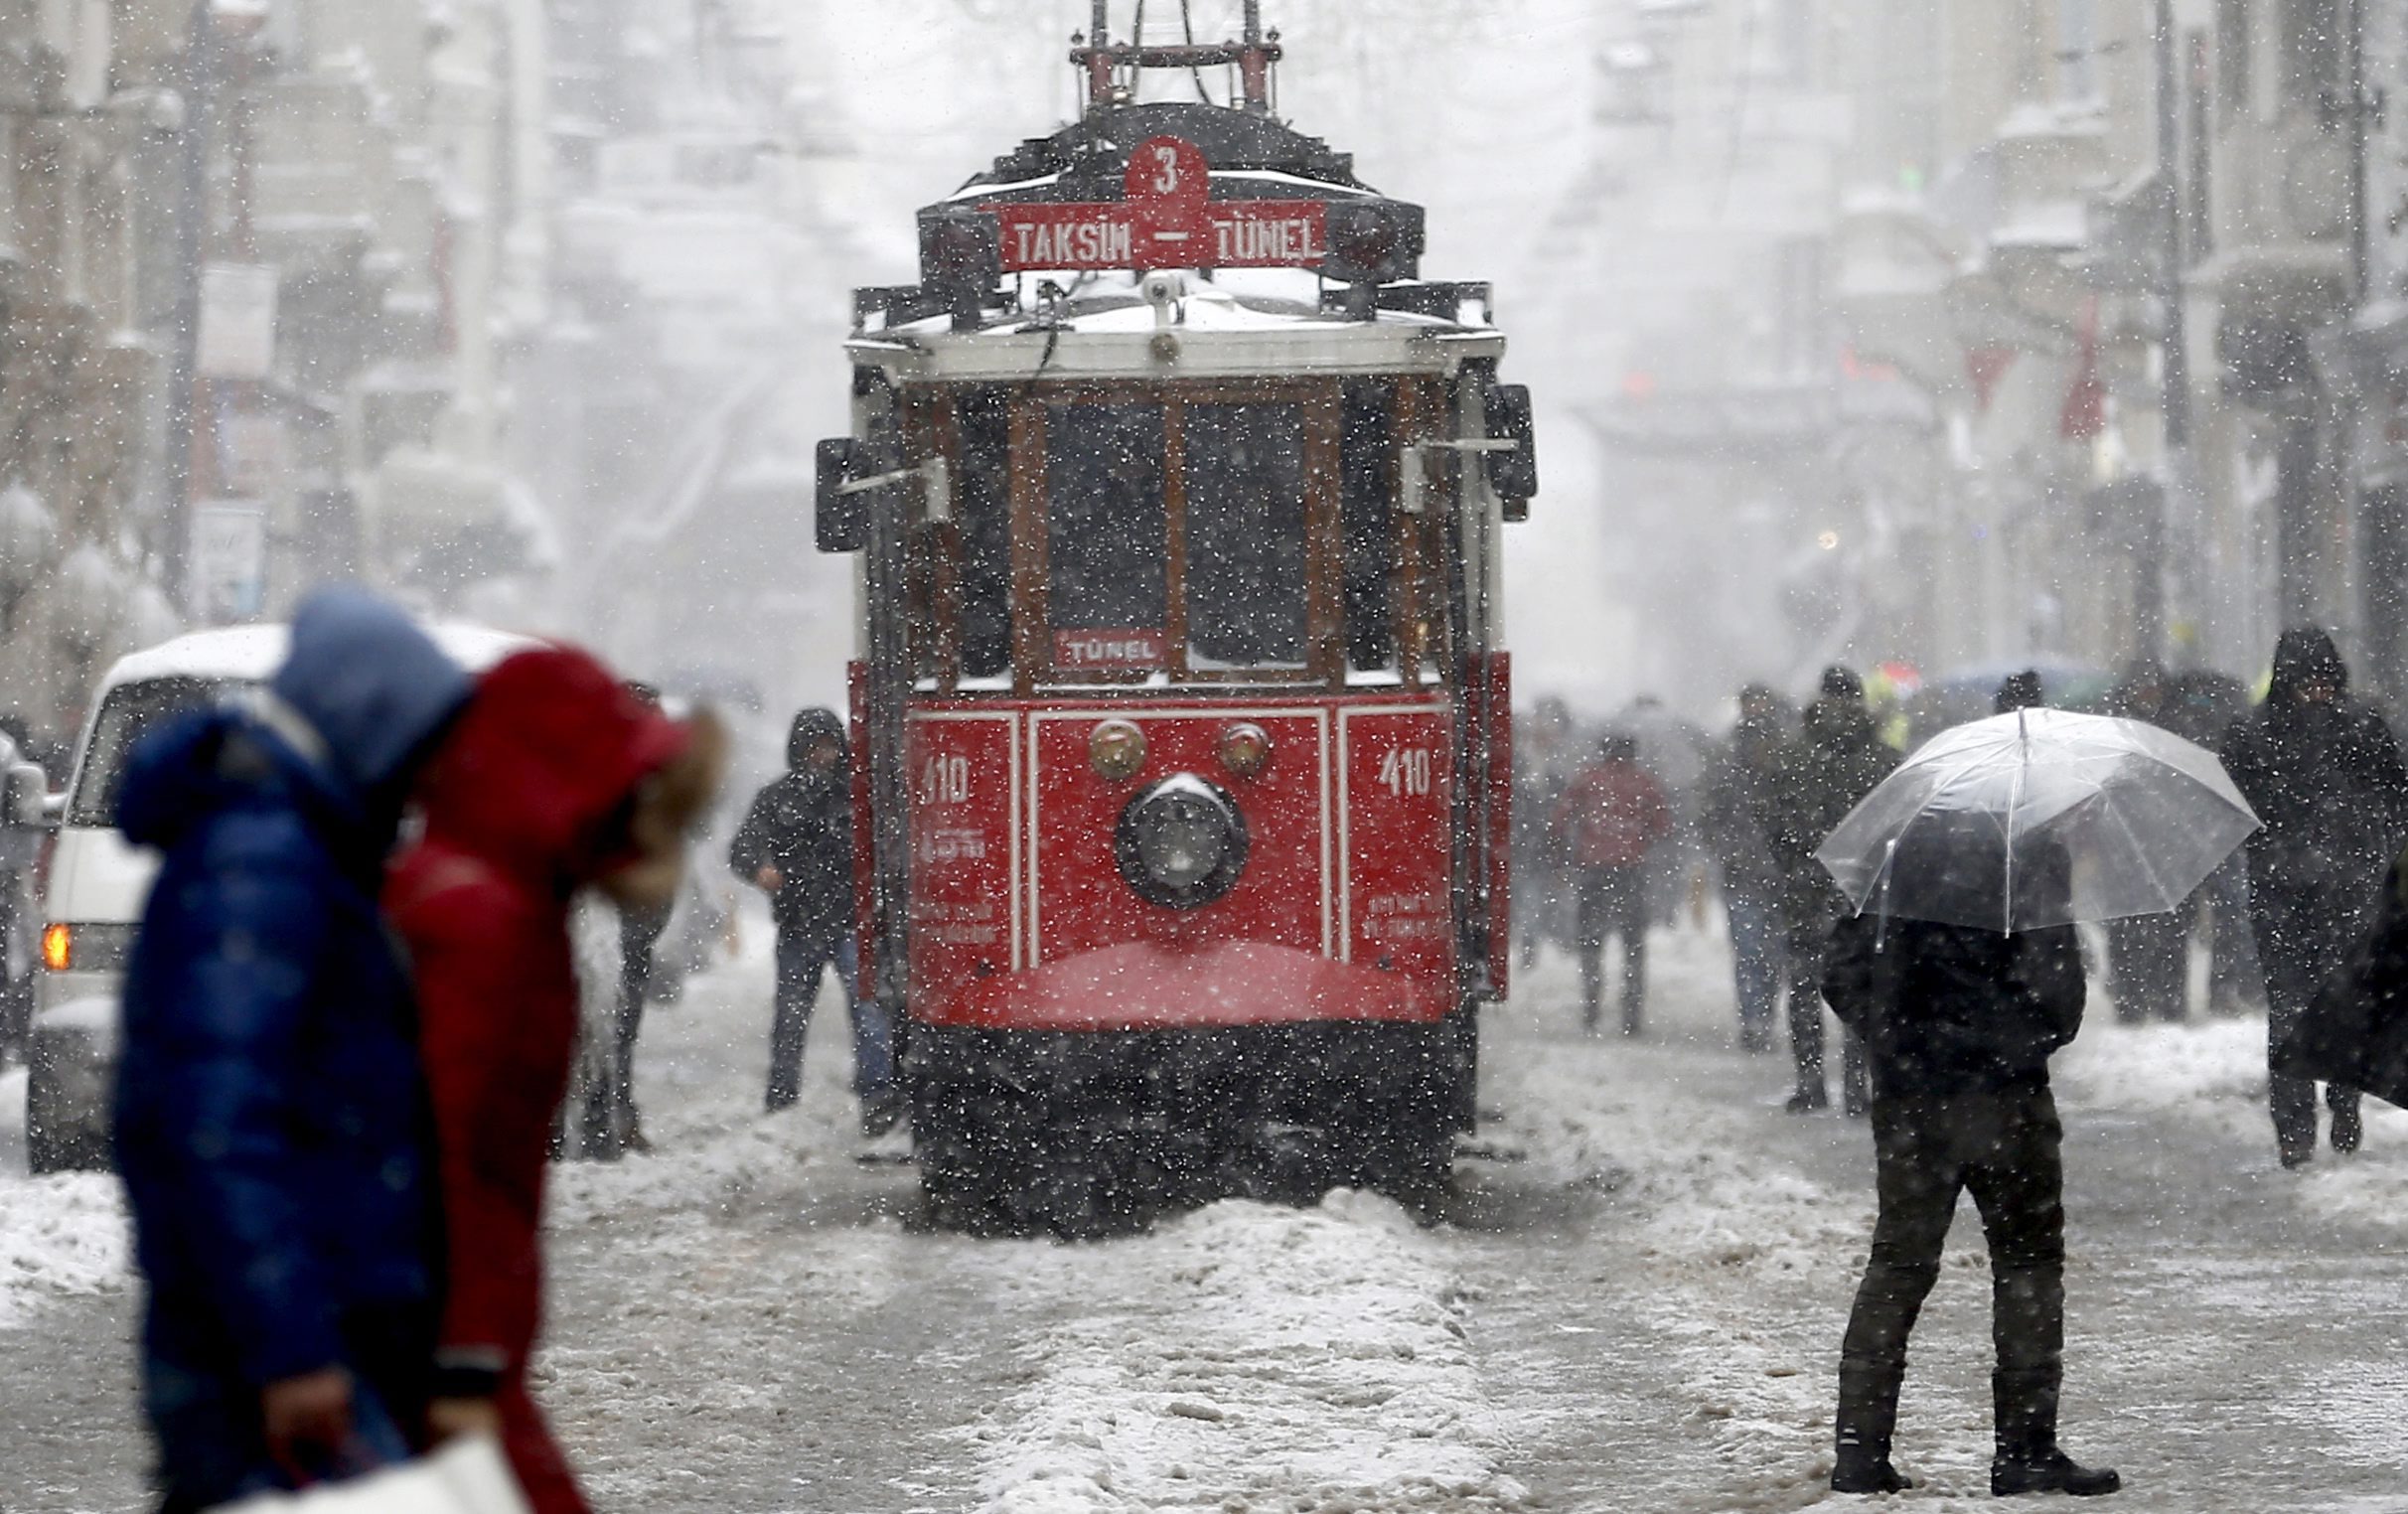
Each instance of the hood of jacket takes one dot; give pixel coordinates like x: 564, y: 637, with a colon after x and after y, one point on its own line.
x: 2305, y: 655
x: 206, y: 761
x: 811, y: 727
x: 374, y: 687
x: 1833, y: 722
x: 550, y: 747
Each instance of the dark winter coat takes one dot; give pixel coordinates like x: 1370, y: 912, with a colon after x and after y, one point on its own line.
x: 2354, y: 1032
x: 1739, y: 796
x: 271, y: 1123
x: 801, y: 824
x: 2326, y: 778
x: 1838, y: 758
x: 520, y: 805
x: 1948, y: 1009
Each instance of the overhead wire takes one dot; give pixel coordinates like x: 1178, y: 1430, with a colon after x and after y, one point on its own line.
x: 1187, y: 25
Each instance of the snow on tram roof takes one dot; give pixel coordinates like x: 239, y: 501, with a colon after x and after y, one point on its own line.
x: 982, y: 189
x: 1239, y: 322
x: 1234, y: 299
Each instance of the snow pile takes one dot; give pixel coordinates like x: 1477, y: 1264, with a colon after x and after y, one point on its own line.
x: 1254, y: 1358
x: 63, y: 1234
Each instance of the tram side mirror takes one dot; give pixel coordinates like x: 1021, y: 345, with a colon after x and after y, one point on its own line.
x: 1513, y: 472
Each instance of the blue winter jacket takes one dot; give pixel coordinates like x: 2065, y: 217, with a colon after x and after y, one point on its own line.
x: 271, y: 1124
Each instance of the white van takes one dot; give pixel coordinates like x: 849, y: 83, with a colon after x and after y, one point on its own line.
x: 98, y: 882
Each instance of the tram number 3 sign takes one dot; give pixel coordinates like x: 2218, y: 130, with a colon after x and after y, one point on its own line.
x: 1168, y: 220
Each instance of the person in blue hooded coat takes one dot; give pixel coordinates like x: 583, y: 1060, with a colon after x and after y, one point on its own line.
x: 272, y: 1125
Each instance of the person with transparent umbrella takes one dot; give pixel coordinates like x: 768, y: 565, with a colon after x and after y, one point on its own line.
x: 1960, y: 972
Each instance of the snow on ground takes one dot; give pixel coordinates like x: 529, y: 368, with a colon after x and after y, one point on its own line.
x: 1637, y: 1305
x: 2213, y: 1071
x: 1734, y: 1258
x: 60, y: 1235
x: 1246, y: 1358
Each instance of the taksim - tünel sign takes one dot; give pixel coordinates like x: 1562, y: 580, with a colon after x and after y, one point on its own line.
x: 1167, y: 220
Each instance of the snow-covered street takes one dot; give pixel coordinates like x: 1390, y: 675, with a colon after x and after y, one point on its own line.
x: 1636, y: 1307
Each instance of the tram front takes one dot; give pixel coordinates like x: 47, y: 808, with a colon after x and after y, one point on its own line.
x: 1181, y: 710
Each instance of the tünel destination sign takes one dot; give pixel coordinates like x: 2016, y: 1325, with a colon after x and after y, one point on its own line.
x: 1168, y: 220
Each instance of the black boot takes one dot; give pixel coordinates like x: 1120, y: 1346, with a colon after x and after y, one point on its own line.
x: 1868, y: 1414
x: 2347, y: 1131
x: 2028, y: 1460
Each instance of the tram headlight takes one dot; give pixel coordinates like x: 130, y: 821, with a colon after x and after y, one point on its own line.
x: 1182, y: 842
x: 1244, y: 748
x: 1115, y: 749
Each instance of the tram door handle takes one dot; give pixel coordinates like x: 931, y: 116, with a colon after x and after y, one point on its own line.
x: 935, y: 479
x: 1413, y: 478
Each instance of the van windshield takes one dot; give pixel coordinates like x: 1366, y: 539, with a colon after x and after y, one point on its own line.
x: 129, y: 712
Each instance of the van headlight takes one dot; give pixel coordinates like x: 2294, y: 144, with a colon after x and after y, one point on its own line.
x: 1182, y: 842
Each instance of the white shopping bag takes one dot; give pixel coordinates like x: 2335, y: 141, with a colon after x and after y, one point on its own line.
x: 462, y: 1476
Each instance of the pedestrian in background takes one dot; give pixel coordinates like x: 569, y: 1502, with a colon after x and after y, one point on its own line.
x: 1958, y: 1025
x: 795, y: 846
x: 613, y: 1125
x: 1544, y: 761
x: 2200, y: 706
x: 1740, y: 794
x: 2149, y: 956
x: 270, y: 1114
x: 1838, y: 758
x: 554, y: 778
x: 2323, y: 773
x: 1610, y: 816
x: 2019, y: 690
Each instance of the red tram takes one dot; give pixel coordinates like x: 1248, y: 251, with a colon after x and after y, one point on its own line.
x: 1181, y: 717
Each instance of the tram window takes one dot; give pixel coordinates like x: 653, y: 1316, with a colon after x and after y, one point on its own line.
x: 1105, y: 531
x: 985, y: 514
x: 1246, y: 559
x: 1366, y: 452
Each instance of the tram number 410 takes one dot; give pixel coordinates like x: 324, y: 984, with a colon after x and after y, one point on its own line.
x: 945, y: 781
x: 1406, y: 770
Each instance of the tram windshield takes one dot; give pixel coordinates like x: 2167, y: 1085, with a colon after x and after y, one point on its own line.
x: 1106, y: 530
x: 1228, y: 531
x: 1246, y: 557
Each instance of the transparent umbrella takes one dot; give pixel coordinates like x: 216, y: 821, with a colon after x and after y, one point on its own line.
x: 2039, y: 817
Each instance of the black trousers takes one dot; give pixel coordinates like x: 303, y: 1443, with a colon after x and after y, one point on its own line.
x: 2149, y: 961
x: 2002, y: 1147
x: 1614, y: 901
x: 2303, y: 937
x: 1806, y: 1028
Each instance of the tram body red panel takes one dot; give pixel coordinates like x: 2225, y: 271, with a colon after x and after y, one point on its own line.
x: 1020, y: 918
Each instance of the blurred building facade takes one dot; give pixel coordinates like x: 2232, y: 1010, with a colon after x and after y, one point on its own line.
x: 409, y: 290
x: 2058, y: 330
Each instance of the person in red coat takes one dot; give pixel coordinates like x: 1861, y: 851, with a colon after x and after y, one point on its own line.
x: 554, y: 778
x: 1611, y: 815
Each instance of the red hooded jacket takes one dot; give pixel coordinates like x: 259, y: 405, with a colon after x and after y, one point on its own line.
x: 1615, y: 813
x: 519, y: 804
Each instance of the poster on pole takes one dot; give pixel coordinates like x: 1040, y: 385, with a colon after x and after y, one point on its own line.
x: 237, y: 337
x: 227, y: 569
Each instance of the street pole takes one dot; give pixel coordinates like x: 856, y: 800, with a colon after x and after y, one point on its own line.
x: 2346, y: 402
x: 2149, y: 592
x: 182, y: 384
